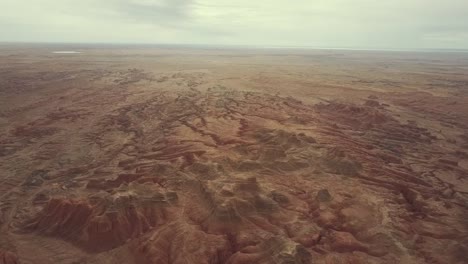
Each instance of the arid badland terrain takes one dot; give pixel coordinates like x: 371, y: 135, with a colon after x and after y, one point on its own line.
x: 189, y: 156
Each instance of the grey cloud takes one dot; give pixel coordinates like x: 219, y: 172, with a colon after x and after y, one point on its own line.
x: 166, y: 12
x: 320, y: 23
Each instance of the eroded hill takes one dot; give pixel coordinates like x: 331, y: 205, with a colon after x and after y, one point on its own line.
x: 206, y: 164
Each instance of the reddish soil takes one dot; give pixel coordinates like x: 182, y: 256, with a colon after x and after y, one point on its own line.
x: 146, y: 155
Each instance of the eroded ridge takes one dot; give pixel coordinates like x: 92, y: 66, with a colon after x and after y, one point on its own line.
x: 219, y: 175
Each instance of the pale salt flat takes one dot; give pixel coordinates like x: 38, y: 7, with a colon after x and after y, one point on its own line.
x: 66, y: 52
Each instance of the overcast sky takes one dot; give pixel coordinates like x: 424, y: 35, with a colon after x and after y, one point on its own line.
x: 397, y: 24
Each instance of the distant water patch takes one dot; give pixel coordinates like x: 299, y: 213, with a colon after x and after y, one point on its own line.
x: 66, y: 52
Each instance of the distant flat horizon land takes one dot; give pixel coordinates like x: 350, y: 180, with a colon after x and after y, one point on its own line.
x: 227, y: 46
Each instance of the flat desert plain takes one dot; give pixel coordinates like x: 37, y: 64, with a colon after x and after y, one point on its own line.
x: 145, y: 154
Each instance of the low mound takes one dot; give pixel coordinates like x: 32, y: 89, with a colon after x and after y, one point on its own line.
x: 280, y: 138
x: 337, y: 162
x: 272, y: 250
x: 354, y: 116
x: 180, y: 242
x: 113, y: 183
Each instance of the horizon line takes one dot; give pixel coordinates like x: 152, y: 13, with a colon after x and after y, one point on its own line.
x: 243, y: 46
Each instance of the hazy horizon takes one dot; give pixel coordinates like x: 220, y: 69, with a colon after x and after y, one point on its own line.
x: 333, y: 24
x: 73, y: 46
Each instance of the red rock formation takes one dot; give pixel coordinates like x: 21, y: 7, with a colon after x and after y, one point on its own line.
x: 198, y: 175
x: 101, y: 224
x: 7, y: 257
x: 182, y: 243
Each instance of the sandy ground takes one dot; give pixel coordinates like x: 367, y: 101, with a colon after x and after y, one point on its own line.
x: 174, y: 155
